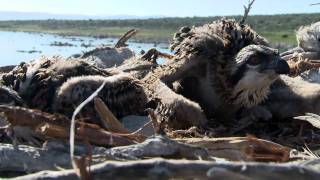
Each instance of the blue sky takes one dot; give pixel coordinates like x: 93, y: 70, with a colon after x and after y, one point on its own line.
x: 159, y: 7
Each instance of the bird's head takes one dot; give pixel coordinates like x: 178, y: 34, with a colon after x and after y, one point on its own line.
x: 255, y: 68
x: 308, y: 37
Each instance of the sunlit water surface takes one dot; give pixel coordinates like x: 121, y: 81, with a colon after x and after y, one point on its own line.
x: 16, y: 47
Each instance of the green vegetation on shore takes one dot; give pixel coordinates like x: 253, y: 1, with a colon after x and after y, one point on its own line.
x: 276, y: 28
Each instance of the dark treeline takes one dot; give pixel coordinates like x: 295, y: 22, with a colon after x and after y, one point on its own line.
x: 286, y: 22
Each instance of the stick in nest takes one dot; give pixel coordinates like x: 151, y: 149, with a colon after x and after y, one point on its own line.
x: 109, y: 121
x: 246, y: 11
x: 300, y: 65
x: 153, y: 54
x: 122, y: 41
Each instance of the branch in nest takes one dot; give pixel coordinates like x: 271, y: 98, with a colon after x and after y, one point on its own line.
x: 246, y: 11
x: 93, y: 135
x: 109, y: 121
x: 57, y: 126
x: 301, y: 65
x: 180, y: 169
x: 241, y: 148
x: 122, y: 41
x: 153, y: 54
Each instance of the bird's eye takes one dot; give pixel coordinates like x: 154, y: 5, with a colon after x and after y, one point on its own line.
x: 254, y: 61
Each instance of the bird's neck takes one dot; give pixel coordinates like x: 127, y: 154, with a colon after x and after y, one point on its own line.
x: 250, y: 90
x: 244, y: 93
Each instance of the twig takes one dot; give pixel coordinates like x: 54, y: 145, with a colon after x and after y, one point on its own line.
x: 300, y: 65
x: 153, y: 54
x: 246, y: 11
x: 122, y: 41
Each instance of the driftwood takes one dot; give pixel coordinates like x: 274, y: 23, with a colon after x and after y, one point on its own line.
x: 12, y: 159
x: 161, y: 146
x: 53, y: 155
x: 181, y: 169
x: 30, y: 159
x: 57, y: 126
x: 92, y: 135
x: 241, y: 149
x: 247, y: 148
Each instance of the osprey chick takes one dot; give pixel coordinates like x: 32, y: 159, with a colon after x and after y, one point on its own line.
x: 36, y: 82
x: 230, y: 64
x: 123, y: 94
x: 308, y: 37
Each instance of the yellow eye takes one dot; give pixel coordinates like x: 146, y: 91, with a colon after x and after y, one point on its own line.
x: 254, y: 61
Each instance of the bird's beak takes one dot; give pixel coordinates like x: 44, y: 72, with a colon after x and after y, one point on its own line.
x: 280, y: 66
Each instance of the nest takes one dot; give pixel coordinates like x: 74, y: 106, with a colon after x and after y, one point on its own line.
x: 34, y: 141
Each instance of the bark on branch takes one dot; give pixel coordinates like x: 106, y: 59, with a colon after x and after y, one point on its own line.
x: 180, y: 169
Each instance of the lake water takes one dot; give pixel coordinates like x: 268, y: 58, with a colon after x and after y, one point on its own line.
x: 15, y: 47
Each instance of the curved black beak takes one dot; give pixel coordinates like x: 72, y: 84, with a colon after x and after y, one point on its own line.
x: 282, y: 66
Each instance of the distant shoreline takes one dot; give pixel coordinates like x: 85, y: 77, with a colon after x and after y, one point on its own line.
x: 278, y: 29
x: 137, y: 39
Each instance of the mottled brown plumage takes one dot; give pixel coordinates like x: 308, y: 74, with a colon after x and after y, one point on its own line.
x: 36, y: 82
x: 290, y: 97
x: 216, y: 59
x: 123, y: 94
x: 221, y: 57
